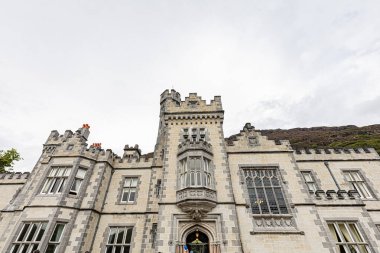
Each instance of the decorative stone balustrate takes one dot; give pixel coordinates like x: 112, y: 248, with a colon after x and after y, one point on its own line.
x: 196, y: 201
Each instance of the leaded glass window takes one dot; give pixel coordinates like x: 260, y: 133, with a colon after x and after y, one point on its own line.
x: 348, y: 238
x: 56, y: 180
x: 357, y: 182
x: 265, y: 192
x: 29, y: 237
x: 119, y: 240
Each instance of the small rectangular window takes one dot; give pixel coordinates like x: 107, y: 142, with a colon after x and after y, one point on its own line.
x: 158, y: 188
x: 119, y: 240
x: 309, y: 180
x: 347, y: 237
x: 129, y: 190
x: 55, y: 238
x: 357, y: 183
x: 29, y: 237
x: 56, y: 180
x: 77, y: 181
x: 154, y: 233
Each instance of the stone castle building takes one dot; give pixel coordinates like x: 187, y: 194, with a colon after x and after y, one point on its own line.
x: 196, y: 191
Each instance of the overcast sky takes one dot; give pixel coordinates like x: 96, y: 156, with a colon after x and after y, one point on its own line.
x: 277, y: 64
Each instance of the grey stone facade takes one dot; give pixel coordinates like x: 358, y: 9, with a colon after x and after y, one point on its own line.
x: 195, y: 183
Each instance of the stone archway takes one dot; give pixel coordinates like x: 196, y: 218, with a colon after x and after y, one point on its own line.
x: 206, y: 239
x: 198, y: 242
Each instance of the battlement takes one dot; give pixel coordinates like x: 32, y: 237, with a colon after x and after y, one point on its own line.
x: 173, y: 95
x: 14, y: 177
x: 193, y: 104
x: 81, y: 134
x: 336, y: 153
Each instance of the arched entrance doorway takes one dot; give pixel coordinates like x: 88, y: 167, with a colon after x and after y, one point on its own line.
x: 197, y: 242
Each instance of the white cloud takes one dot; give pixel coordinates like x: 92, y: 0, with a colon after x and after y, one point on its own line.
x: 275, y: 63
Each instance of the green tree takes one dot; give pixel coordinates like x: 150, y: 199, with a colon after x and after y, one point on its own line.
x: 7, y: 159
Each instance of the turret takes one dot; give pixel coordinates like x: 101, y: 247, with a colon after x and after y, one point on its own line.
x: 170, y: 96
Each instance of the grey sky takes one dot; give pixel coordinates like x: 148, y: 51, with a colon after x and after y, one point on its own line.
x: 277, y: 64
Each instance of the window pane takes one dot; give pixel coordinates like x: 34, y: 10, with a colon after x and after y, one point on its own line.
x: 23, y: 232
x: 272, y: 201
x: 111, y: 238
x: 198, y: 179
x: 41, y: 232
x: 56, y: 184
x: 126, y: 249
x: 62, y: 184
x: 132, y: 195
x: 129, y: 236
x: 262, y: 201
x: 117, y: 249
x: 125, y: 195
x: 76, y: 185
x: 15, y: 248
x: 67, y: 172
x: 120, y: 236
x: 81, y: 173
x: 344, y: 232
x: 334, y: 233
x: 51, y: 248
x: 280, y: 200
x: 47, y: 185
x: 355, y: 175
x: 25, y: 248
x: 133, y: 182
x: 53, y: 171
x: 192, y: 179
x: 57, y: 233
x: 307, y: 176
x: 127, y: 182
x: 109, y: 249
x: 355, y: 233
x: 32, y: 232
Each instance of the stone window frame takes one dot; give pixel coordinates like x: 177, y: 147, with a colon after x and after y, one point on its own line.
x: 51, y: 223
x: 314, y: 177
x: 73, y: 178
x: 20, y: 228
x: 366, y: 180
x: 359, y: 227
x: 284, y: 223
x: 196, y: 153
x: 281, y: 181
x: 46, y: 176
x: 70, y: 179
x: 103, y: 245
x: 61, y: 241
x: 121, y: 187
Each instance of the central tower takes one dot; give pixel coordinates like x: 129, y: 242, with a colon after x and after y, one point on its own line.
x: 196, y: 193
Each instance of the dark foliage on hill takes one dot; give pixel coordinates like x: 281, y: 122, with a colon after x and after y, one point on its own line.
x: 329, y: 137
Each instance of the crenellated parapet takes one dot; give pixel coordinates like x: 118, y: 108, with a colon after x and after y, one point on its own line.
x: 193, y: 104
x: 336, y: 154
x: 14, y: 177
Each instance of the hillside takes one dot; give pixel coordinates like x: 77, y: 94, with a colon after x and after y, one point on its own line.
x: 329, y: 137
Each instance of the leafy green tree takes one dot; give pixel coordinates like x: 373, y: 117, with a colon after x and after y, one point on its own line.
x: 7, y: 159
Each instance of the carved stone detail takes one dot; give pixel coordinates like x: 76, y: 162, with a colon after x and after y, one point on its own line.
x: 196, y: 201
